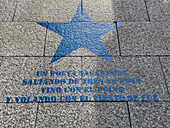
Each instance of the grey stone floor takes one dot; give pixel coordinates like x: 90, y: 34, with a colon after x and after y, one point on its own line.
x: 141, y: 46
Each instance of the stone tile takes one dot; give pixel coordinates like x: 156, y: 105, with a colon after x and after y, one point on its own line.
x: 145, y: 38
x: 159, y: 10
x: 147, y: 83
x: 166, y: 69
x: 150, y: 115
x: 7, y: 9
x: 116, y: 10
x: 42, y: 10
x: 22, y: 39
x: 82, y: 115
x: 14, y: 71
x: 17, y: 115
x: 109, y: 40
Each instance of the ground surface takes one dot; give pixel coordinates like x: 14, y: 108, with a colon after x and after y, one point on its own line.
x: 138, y: 44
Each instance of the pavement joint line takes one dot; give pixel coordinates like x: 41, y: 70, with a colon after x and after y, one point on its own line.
x: 81, y: 9
x: 147, y: 10
x: 164, y: 76
x: 86, y: 102
x: 87, y: 21
x: 98, y: 56
x: 81, y: 84
x: 1, y: 62
x: 15, y: 10
x: 144, y: 55
x: 118, y: 39
x: 81, y: 68
x: 36, y: 115
x: 45, y: 40
x: 129, y: 115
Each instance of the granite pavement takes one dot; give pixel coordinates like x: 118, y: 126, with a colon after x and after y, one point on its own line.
x: 128, y: 86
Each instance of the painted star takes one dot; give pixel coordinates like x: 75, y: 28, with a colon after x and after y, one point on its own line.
x: 80, y: 32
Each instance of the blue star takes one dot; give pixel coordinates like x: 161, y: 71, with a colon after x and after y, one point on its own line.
x: 80, y: 32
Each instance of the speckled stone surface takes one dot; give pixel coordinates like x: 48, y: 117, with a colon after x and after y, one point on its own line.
x: 17, y: 115
x: 158, y: 10
x: 148, y: 69
x: 15, y: 69
x: 116, y: 10
x: 83, y: 89
x: 21, y: 39
x: 109, y: 40
x: 42, y: 10
x: 166, y: 69
x: 7, y: 9
x: 84, y: 115
x: 145, y: 38
x: 150, y: 115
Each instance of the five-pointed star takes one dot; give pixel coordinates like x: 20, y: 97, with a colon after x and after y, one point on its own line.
x: 80, y: 32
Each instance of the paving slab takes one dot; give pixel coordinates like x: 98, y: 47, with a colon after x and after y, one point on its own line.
x: 150, y: 115
x: 7, y: 9
x: 145, y: 38
x: 116, y: 10
x: 60, y: 10
x: 17, y: 115
x: 22, y: 39
x: 109, y: 40
x: 158, y: 10
x: 83, y: 115
x: 165, y: 61
x: 131, y: 78
x: 18, y: 73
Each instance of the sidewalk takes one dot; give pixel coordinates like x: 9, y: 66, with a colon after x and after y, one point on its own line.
x: 85, y: 63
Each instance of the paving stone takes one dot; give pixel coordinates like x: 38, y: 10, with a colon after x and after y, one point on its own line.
x: 17, y: 115
x: 145, y: 38
x: 146, y: 69
x: 42, y: 10
x: 82, y: 115
x: 21, y: 39
x: 116, y: 10
x: 7, y: 9
x: 150, y: 115
x: 16, y: 69
x: 159, y: 10
x: 109, y: 40
x: 166, y: 69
